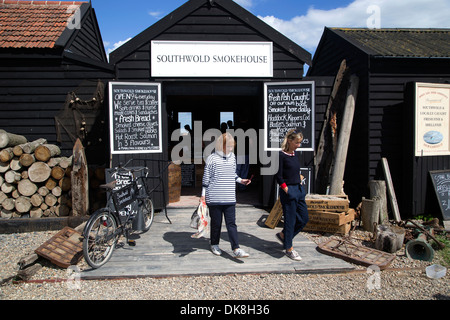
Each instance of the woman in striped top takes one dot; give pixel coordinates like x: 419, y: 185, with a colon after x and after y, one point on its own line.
x: 219, y: 193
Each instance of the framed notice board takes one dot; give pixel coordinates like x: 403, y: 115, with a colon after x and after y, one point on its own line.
x: 441, y: 184
x: 135, y: 117
x: 288, y: 105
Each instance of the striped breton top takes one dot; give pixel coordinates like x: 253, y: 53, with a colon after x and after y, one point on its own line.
x: 219, y: 179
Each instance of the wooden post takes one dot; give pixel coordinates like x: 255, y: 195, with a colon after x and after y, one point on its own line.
x: 80, y: 185
x: 370, y: 210
x: 390, y: 188
x: 326, y: 147
x: 378, y: 190
x: 344, y: 137
x: 389, y: 238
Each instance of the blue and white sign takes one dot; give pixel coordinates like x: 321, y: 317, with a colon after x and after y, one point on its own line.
x: 432, y: 127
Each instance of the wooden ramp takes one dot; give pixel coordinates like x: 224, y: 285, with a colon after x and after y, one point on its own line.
x: 168, y: 250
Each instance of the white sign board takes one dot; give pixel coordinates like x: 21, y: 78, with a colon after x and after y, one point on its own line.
x: 432, y: 131
x: 211, y: 59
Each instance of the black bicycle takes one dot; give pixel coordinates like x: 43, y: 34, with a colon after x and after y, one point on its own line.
x: 125, y: 203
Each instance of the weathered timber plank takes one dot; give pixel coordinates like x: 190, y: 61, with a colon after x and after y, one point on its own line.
x: 168, y: 250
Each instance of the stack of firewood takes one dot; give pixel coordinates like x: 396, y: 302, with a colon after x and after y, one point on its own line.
x: 34, y: 179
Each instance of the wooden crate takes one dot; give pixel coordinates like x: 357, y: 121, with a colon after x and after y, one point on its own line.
x: 325, y: 215
x: 331, y: 205
x: 326, y: 227
x: 335, y: 218
x: 64, y: 249
x: 275, y: 215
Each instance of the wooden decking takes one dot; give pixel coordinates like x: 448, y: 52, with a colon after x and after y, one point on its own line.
x: 168, y: 250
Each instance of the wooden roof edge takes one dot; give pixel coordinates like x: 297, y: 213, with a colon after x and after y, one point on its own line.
x: 68, y: 32
x: 154, y: 30
x: 192, y: 5
x: 345, y: 33
x: 45, y: 3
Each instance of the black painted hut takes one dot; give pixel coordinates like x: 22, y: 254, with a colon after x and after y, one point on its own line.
x: 49, y: 49
x: 388, y: 62
x: 206, y: 95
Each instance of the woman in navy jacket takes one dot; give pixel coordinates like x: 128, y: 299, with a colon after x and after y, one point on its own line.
x: 292, y: 194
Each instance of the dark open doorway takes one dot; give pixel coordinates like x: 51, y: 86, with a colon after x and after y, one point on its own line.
x: 221, y: 112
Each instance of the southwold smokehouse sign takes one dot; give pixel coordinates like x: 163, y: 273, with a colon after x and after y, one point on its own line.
x: 432, y: 132
x: 288, y: 105
x: 211, y: 59
x: 135, y: 117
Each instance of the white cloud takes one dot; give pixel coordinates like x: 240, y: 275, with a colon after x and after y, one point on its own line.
x: 306, y: 30
x: 115, y: 46
x: 155, y: 14
x: 245, y: 3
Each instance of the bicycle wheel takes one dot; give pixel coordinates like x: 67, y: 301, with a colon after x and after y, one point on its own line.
x: 100, y: 238
x: 147, y: 210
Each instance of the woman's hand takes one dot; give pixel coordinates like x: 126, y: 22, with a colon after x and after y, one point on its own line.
x: 286, y: 190
x: 246, y: 182
x: 202, y: 199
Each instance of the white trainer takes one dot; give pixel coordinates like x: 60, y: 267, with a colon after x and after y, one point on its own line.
x: 216, y: 250
x: 239, y: 253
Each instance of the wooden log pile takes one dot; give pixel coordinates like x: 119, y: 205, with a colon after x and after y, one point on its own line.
x: 35, y: 180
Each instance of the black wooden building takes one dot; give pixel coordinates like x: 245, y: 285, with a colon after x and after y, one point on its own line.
x: 388, y: 62
x: 206, y: 97
x: 48, y: 49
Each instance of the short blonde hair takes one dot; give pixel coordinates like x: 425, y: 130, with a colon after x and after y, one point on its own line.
x: 291, y: 135
x: 223, y: 140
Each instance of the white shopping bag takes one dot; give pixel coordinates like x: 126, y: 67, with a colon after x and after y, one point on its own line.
x: 201, y: 219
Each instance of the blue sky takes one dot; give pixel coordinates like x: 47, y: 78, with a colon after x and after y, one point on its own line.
x: 300, y: 20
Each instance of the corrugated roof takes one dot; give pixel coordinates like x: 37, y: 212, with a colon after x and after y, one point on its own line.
x: 423, y: 43
x: 34, y: 24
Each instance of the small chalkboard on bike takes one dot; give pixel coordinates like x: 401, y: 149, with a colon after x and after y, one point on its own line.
x: 124, y: 196
x: 123, y: 180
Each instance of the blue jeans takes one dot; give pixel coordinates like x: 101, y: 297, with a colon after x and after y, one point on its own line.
x: 229, y: 212
x: 295, y: 212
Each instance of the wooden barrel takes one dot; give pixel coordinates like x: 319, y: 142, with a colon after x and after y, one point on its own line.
x: 174, y: 183
x: 199, y: 168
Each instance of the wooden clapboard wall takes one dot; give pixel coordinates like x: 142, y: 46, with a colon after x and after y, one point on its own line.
x: 198, y: 20
x: 382, y: 125
x: 34, y: 82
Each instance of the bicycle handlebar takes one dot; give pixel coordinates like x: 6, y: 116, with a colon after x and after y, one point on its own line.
x: 137, y: 169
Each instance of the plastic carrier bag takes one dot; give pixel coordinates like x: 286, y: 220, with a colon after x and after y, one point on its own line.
x: 200, y: 220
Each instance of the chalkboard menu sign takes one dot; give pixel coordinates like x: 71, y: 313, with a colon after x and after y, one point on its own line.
x: 188, y: 175
x: 441, y: 184
x: 135, y: 117
x: 288, y: 105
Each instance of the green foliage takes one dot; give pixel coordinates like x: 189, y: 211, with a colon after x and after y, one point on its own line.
x: 443, y: 254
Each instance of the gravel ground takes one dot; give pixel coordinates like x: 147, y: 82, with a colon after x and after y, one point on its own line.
x: 405, y: 280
